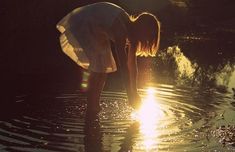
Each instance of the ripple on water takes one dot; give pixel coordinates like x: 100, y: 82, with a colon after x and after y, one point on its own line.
x: 170, y: 119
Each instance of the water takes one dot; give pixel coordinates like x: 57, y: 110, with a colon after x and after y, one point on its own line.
x: 171, y: 119
x: 185, y: 107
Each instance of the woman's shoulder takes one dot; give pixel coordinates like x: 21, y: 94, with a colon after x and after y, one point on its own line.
x: 101, y: 6
x: 97, y: 10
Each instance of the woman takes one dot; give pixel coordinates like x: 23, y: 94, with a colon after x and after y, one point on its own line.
x: 86, y: 37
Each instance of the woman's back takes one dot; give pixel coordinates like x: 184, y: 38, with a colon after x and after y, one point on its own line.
x: 100, y: 14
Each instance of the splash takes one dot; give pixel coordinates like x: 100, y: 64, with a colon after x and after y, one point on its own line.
x: 226, y: 76
x: 185, y: 67
x: 174, y: 65
x: 231, y: 83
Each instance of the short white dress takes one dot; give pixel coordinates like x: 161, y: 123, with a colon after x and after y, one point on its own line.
x: 86, y: 34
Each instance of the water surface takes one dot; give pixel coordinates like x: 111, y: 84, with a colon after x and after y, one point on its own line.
x: 171, y: 118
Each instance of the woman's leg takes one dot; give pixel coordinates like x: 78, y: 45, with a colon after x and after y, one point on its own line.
x: 95, y: 86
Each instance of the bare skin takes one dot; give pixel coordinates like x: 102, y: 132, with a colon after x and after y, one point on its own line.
x: 128, y: 66
x: 127, y: 60
x: 93, y: 93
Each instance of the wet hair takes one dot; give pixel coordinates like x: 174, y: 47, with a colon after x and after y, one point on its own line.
x: 145, y: 35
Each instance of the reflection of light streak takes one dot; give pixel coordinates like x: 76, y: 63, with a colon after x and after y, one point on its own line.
x: 148, y: 116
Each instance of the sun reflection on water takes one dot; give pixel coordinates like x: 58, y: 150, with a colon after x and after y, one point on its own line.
x: 148, y: 116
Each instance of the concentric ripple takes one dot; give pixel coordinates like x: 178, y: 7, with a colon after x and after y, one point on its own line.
x: 170, y: 119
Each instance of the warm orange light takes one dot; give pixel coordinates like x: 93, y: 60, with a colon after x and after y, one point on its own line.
x: 149, y: 116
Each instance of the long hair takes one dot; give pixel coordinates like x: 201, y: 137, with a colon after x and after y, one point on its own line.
x: 146, y: 34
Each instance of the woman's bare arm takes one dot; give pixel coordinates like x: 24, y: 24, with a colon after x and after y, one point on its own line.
x: 132, y: 68
x: 128, y: 66
x: 133, y: 73
x: 126, y: 59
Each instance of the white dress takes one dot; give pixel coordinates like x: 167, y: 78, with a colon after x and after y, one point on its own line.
x: 86, y: 34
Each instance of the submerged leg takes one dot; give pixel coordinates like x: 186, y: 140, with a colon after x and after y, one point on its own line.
x: 95, y: 86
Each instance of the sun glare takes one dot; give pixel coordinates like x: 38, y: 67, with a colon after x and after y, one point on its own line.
x: 149, y: 116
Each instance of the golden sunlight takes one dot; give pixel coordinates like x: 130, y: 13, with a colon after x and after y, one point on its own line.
x: 149, y: 116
